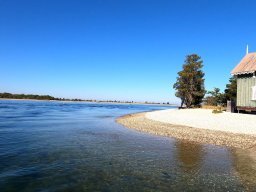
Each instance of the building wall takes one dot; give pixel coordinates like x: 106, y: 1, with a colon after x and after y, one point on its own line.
x: 244, y: 91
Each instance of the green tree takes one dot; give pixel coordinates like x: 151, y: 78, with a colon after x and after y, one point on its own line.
x: 215, y: 97
x: 190, y: 82
x: 231, y: 89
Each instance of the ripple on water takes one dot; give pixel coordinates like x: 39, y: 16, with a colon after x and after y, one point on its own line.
x: 56, y: 146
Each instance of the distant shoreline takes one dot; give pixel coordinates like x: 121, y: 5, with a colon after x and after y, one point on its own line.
x: 102, y: 102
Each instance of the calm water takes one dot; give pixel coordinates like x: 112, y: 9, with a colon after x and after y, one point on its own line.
x: 57, y: 146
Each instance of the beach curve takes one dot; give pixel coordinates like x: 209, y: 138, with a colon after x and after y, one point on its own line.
x: 169, y: 123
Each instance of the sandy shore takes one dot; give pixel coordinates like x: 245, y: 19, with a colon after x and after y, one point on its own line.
x: 204, y: 118
x: 165, y: 123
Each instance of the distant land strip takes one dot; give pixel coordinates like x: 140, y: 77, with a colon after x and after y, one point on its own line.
x: 51, y: 98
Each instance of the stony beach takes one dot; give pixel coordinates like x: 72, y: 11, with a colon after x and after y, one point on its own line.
x: 185, y: 124
x: 205, y: 119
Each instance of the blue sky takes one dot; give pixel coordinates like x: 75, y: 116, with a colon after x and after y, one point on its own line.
x: 119, y: 49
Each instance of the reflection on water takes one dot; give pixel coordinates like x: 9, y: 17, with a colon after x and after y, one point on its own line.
x: 189, y: 155
x: 54, y: 146
x: 245, y: 167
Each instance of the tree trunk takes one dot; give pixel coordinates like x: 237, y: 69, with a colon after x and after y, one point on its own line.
x: 188, y: 100
x: 182, y: 102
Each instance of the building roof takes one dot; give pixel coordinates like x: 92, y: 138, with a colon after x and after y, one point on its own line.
x: 246, y: 65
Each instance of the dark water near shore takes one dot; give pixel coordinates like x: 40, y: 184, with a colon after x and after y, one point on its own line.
x: 57, y: 146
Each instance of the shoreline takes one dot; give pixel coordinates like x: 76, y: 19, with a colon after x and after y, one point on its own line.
x: 140, y: 122
x: 205, y: 119
x: 98, y: 102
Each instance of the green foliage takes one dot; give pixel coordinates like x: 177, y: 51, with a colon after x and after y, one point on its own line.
x: 23, y: 96
x: 215, y: 98
x: 190, y: 82
x: 231, y: 89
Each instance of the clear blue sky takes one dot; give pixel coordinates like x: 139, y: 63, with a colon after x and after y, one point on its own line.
x: 119, y: 49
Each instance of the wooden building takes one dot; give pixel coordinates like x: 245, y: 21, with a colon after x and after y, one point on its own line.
x: 245, y: 72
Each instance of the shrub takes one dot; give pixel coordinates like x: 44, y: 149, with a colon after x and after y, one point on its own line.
x: 217, y: 110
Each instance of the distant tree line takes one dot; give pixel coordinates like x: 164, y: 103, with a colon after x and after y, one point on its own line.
x: 35, y: 97
x: 23, y: 96
x: 48, y: 97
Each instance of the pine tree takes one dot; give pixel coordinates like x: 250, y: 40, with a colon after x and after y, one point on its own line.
x: 231, y: 89
x: 190, y: 82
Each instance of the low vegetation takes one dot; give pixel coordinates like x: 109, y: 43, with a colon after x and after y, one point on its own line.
x: 35, y: 97
x: 217, y: 98
x: 23, y: 96
x: 217, y: 110
x: 48, y: 97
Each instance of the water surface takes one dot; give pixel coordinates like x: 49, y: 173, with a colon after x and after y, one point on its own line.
x: 68, y: 146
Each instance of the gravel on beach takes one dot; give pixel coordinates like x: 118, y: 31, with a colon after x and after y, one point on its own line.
x: 205, y: 119
x: 142, y: 123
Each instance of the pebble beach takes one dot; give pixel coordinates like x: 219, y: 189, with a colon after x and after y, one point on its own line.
x: 197, y: 125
